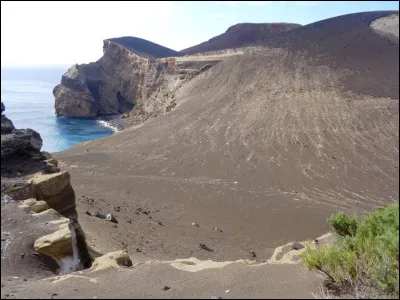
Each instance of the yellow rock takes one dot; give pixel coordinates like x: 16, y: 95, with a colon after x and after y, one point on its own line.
x: 56, y: 190
x: 40, y: 206
x: 112, y: 260
x: 51, y: 214
x: 52, y: 161
x: 57, y: 245
x: 27, y: 204
x: 33, y: 205
x: 51, y: 184
x: 21, y: 192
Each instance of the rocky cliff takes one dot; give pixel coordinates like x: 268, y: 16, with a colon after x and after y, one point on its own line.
x: 40, y: 232
x: 127, y: 75
x: 32, y: 179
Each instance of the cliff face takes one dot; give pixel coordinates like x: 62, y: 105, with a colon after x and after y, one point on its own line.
x: 115, y: 83
x: 33, y: 180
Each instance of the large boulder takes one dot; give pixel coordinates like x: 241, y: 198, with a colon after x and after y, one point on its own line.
x: 57, y: 245
x: 20, y: 142
x: 56, y: 190
x: 6, y: 125
x: 115, y: 259
x: 21, y: 191
x: 81, y: 106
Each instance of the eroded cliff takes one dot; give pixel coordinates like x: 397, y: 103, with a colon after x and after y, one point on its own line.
x: 32, y: 180
x: 123, y: 79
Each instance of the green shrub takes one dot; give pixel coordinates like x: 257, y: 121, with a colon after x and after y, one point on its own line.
x: 366, y: 253
x: 343, y: 224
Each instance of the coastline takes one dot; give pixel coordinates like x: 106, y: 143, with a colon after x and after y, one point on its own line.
x: 114, y: 122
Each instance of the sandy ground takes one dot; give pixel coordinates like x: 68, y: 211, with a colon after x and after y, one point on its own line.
x: 149, y: 280
x: 266, y: 158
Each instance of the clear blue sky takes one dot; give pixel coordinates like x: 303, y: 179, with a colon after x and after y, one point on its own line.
x: 72, y: 32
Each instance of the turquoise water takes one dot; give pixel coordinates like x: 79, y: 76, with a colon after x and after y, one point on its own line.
x: 28, y: 96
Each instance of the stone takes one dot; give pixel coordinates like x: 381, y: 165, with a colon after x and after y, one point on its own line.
x: 111, y: 218
x: 297, y: 246
x: 50, y: 168
x: 27, y: 204
x: 21, y: 192
x: 40, y: 206
x: 20, y: 142
x: 47, y: 155
x: 48, y: 185
x: 56, y: 190
x: 52, y: 214
x: 204, y: 247
x: 52, y: 161
x: 7, y: 125
x: 99, y: 215
x: 3, y: 107
x: 57, y: 245
x: 112, y: 260
x: 83, y: 104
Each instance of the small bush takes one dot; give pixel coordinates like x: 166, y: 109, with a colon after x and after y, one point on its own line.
x: 365, y: 256
x: 343, y: 224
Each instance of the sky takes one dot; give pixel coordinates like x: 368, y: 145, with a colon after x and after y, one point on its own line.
x: 49, y: 33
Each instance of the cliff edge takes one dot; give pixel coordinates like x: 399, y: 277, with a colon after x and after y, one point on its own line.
x: 130, y: 72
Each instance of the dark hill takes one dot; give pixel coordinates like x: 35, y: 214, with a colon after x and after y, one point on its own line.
x: 240, y: 35
x: 144, y: 47
x: 349, y: 42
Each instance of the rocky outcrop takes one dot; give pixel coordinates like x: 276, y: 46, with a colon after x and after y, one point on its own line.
x: 56, y: 190
x: 34, y: 205
x: 45, y: 197
x: 6, y: 125
x: 44, y: 190
x: 17, y: 142
x: 20, y: 142
x: 57, y: 245
x: 125, y: 77
x: 112, y: 260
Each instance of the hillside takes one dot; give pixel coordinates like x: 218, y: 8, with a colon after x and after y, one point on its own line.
x: 255, y: 150
x: 350, y: 42
x: 265, y: 145
x: 144, y: 47
x: 241, y: 35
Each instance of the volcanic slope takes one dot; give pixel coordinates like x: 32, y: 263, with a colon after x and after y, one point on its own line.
x: 264, y: 145
x: 144, y: 47
x: 241, y: 35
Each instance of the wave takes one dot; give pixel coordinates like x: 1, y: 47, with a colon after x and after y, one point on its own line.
x: 107, y: 125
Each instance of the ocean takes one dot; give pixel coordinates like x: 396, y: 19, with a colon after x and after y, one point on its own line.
x: 27, y: 94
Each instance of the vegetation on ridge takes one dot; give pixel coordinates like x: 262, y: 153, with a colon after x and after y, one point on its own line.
x: 365, y: 257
